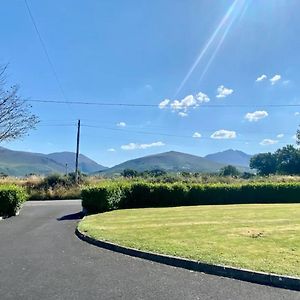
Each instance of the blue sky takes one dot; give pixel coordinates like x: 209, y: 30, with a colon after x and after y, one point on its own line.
x: 188, y: 56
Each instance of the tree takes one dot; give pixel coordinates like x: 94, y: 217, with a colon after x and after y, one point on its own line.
x: 264, y: 163
x: 288, y: 160
x: 298, y: 137
x: 15, y: 116
x: 129, y: 173
x: 229, y: 171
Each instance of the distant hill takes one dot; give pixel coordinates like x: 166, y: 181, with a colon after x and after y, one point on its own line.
x: 230, y: 157
x: 21, y: 163
x: 169, y: 161
x: 86, y: 165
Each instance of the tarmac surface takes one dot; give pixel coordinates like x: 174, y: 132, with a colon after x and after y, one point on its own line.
x: 41, y: 258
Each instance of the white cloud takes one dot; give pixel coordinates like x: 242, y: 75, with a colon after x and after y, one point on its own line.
x: 294, y: 137
x: 257, y: 115
x: 134, y: 146
x: 280, y: 135
x: 163, y: 104
x: 275, y: 78
x: 267, y: 142
x: 182, y: 106
x: 261, y: 78
x: 148, y: 87
x: 297, y: 113
x: 202, y: 98
x: 223, y: 91
x: 197, y: 135
x: 182, y: 114
x: 121, y: 124
x: 111, y: 150
x: 223, y: 134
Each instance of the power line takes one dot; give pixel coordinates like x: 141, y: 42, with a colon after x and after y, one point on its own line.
x: 156, y: 105
x: 168, y: 134
x: 45, y: 49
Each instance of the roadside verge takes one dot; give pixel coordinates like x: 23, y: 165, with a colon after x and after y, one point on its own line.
x: 280, y: 281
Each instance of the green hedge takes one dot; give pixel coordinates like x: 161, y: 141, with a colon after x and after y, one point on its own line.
x: 110, y: 196
x: 11, y: 199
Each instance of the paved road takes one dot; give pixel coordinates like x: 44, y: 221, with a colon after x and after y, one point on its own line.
x: 41, y: 258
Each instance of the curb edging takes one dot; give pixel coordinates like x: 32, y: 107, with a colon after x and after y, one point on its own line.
x: 274, y: 280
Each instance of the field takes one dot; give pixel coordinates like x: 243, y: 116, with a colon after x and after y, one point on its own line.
x: 253, y: 236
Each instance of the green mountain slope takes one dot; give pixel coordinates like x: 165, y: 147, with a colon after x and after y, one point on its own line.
x: 169, y: 161
x: 230, y: 157
x: 86, y: 165
x: 21, y: 163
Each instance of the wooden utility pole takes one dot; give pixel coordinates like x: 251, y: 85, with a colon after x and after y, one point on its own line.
x: 77, y: 153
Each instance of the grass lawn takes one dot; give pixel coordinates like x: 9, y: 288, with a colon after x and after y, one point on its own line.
x: 262, y: 237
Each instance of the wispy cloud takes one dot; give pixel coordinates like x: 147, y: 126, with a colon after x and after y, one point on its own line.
x: 280, y: 135
x: 257, y: 115
x: 261, y: 78
x: 111, y: 150
x: 275, y: 79
x: 121, y: 124
x: 267, y: 142
x: 223, y: 134
x: 134, y: 146
x: 182, y: 114
x: 163, y: 104
x: 223, y: 92
x: 297, y: 113
x: 197, y: 135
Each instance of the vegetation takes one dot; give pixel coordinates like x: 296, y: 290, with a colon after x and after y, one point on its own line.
x: 229, y: 171
x: 15, y: 116
x: 259, y: 237
x: 11, y: 199
x: 114, y: 195
x: 284, y: 161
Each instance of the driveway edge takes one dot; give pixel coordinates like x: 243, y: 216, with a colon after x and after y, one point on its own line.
x: 274, y: 280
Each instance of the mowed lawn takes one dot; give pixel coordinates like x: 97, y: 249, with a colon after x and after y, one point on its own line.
x: 262, y: 237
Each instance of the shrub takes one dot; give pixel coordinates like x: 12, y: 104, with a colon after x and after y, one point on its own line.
x: 144, y: 194
x: 11, y: 199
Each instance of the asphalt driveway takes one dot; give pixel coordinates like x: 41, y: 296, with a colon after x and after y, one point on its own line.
x: 41, y: 258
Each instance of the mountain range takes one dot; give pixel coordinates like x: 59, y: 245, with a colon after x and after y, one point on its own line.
x: 173, y: 161
x: 21, y: 163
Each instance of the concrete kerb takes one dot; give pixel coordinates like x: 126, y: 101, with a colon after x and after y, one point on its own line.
x: 274, y: 280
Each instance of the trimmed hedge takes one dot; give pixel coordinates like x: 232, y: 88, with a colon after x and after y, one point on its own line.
x: 11, y: 199
x: 109, y: 196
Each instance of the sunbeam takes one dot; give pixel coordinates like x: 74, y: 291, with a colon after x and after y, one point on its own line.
x: 236, y: 9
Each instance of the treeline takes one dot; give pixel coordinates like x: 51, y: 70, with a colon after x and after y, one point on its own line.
x: 285, y: 161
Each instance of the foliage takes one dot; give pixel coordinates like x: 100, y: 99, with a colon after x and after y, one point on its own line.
x: 129, y: 173
x: 284, y: 161
x: 109, y: 196
x: 15, y: 116
x: 229, y: 171
x: 264, y: 163
x: 288, y: 160
x: 11, y: 199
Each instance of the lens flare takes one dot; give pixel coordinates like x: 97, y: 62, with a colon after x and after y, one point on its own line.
x: 237, y: 9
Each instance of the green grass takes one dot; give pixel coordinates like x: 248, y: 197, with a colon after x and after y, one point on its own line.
x: 261, y: 237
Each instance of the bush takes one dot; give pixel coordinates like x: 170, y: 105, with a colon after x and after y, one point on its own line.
x: 144, y: 194
x: 11, y: 199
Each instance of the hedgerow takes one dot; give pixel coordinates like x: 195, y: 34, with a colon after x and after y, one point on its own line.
x: 109, y: 196
x: 11, y: 199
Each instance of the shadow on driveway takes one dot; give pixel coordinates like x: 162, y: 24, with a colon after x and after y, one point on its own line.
x: 76, y: 216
